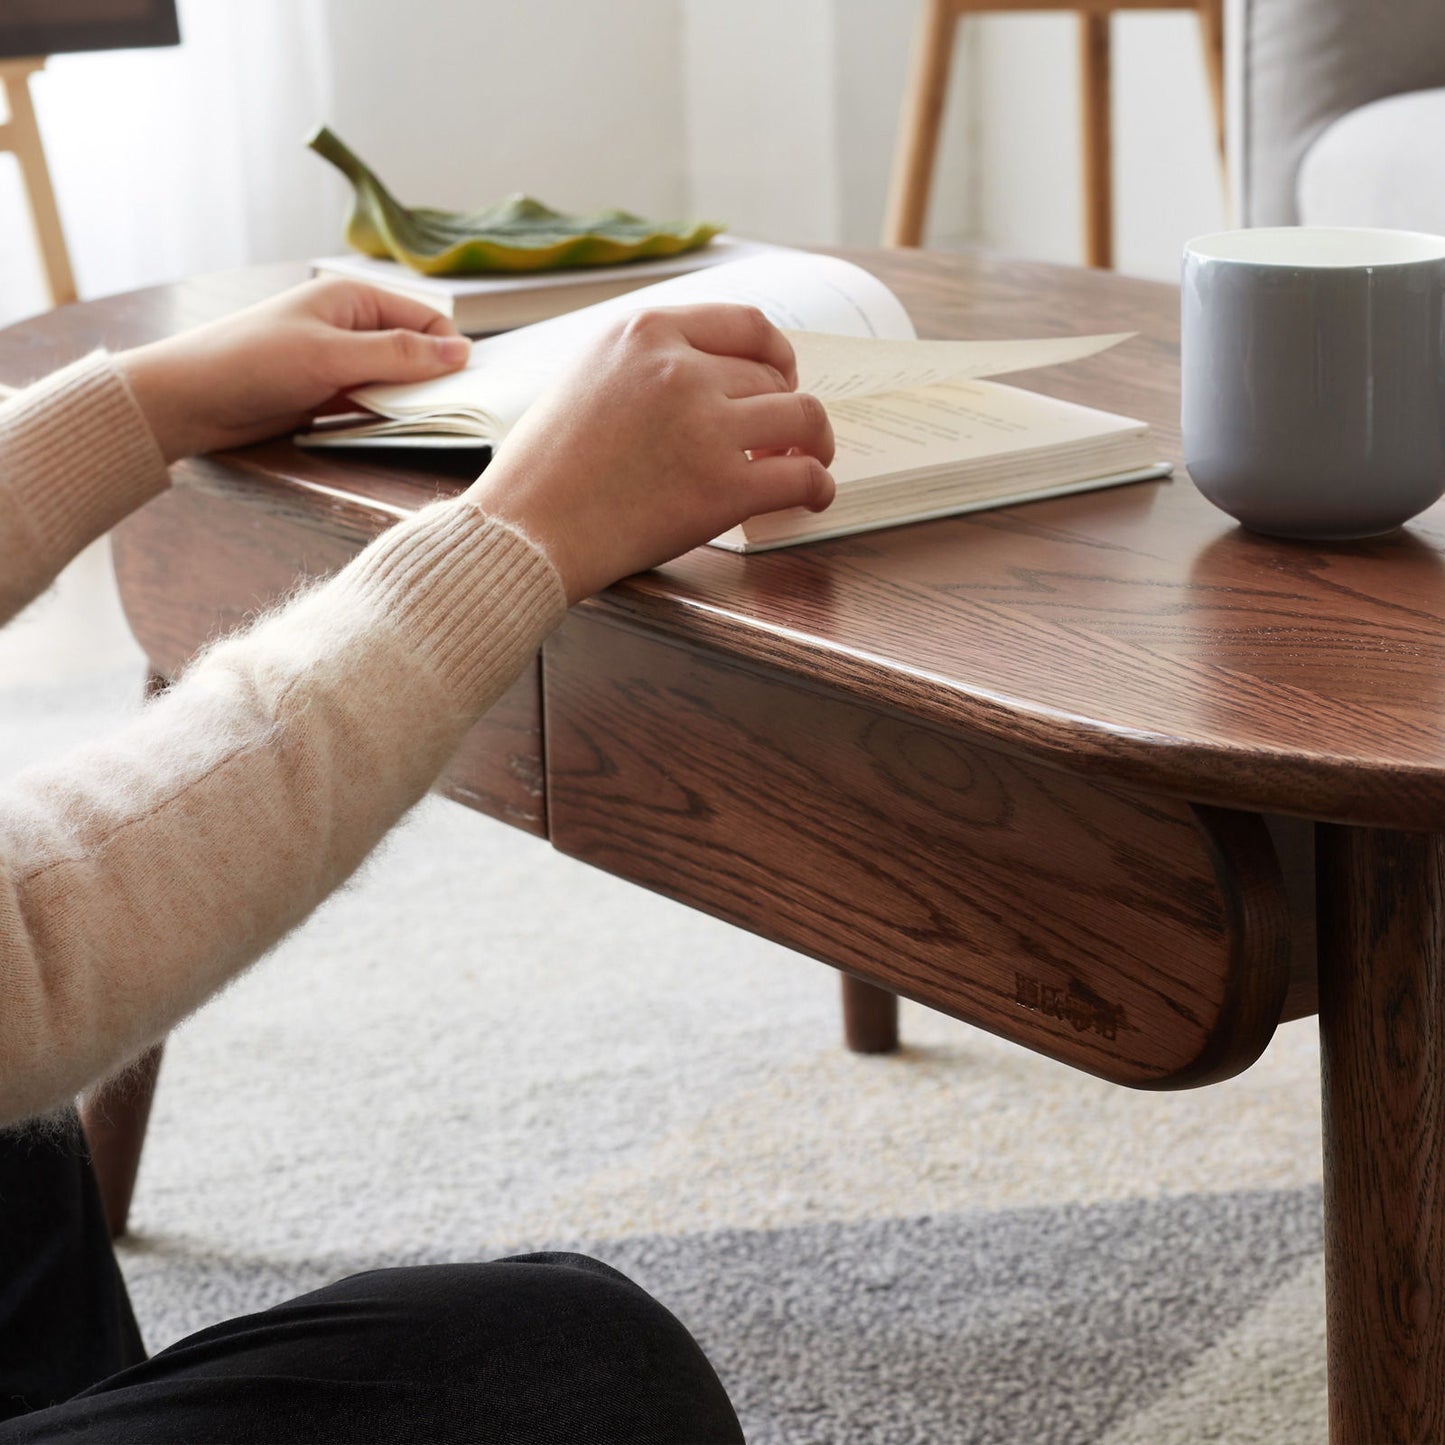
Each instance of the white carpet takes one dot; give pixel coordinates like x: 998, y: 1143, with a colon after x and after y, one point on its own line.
x: 481, y: 1045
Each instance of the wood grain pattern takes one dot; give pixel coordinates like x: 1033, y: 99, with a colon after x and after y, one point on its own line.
x: 1137, y: 634
x: 1382, y: 999
x: 1118, y: 933
x: 199, y: 562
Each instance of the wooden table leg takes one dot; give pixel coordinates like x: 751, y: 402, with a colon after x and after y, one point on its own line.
x: 1096, y: 98
x: 116, y: 1114
x: 870, y: 1017
x: 923, y: 114
x: 1382, y: 1021
x: 114, y: 1118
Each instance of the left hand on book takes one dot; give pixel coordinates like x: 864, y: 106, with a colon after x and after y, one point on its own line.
x: 268, y: 369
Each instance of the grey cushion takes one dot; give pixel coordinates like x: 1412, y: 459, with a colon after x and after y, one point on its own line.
x: 1380, y: 165
x: 1297, y: 66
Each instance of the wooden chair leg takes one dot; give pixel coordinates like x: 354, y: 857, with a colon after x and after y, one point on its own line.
x: 1211, y: 34
x: 922, y: 115
x: 22, y: 135
x: 114, y: 1118
x: 870, y: 1017
x: 1098, y: 142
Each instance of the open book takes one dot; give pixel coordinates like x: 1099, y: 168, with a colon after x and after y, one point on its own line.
x: 920, y: 434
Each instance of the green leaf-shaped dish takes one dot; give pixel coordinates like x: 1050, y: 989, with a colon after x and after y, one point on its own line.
x: 518, y: 234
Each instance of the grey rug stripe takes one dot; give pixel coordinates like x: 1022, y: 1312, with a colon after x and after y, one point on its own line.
x: 990, y: 1328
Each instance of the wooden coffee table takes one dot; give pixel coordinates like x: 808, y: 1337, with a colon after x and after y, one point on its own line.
x: 1068, y: 770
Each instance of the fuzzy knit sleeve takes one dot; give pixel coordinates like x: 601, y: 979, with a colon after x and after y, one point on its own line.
x: 76, y: 456
x: 142, y: 872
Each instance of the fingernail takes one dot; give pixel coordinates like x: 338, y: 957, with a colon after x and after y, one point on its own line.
x: 453, y: 349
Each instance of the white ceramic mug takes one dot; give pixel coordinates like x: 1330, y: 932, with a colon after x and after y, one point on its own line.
x: 1313, y: 371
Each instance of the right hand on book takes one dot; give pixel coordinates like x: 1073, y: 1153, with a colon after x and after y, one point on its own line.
x: 678, y: 424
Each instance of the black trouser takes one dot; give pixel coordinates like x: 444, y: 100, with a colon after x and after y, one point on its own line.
x: 542, y: 1347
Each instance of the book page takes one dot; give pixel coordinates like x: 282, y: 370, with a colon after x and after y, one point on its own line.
x: 954, y: 423
x: 836, y: 367
x: 797, y: 291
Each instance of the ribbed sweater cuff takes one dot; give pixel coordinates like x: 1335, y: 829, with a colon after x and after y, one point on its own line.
x: 82, y: 454
x: 475, y: 597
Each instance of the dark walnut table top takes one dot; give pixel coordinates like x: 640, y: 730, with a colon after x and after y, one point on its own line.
x: 1135, y: 634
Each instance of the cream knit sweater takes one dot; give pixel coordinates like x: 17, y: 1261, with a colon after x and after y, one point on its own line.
x: 142, y: 872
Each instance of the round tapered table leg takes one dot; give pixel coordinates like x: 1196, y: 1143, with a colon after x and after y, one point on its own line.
x: 870, y: 1017
x: 115, y: 1115
x: 114, y: 1118
x: 1382, y: 1020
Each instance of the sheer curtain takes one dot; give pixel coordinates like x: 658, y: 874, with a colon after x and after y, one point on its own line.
x: 172, y: 162
x: 166, y: 163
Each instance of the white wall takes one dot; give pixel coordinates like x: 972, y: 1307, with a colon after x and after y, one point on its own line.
x: 760, y: 98
x: 578, y: 102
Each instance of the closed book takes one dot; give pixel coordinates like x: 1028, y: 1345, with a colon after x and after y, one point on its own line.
x: 480, y: 305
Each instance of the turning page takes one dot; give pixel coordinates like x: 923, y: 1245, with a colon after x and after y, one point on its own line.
x: 835, y: 368
x: 796, y: 291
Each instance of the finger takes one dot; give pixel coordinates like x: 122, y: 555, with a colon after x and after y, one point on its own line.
x: 368, y: 308
x: 740, y: 378
x: 728, y: 330
x: 783, y: 422
x: 396, y: 355
x: 778, y: 482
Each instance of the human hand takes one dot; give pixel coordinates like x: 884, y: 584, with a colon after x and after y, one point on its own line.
x: 643, y: 450
x: 270, y: 368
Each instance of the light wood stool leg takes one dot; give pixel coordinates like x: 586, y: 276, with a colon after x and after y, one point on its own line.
x: 923, y: 114
x: 22, y: 135
x: 1211, y: 34
x: 1098, y: 140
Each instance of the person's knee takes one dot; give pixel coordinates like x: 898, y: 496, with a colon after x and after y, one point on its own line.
x: 562, y: 1341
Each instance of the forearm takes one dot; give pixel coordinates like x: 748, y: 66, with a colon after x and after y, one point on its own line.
x: 76, y: 456
x: 139, y: 875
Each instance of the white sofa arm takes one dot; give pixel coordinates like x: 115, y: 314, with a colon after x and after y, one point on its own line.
x: 1297, y: 65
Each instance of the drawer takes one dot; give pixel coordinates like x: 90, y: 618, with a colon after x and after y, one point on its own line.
x: 1143, y: 939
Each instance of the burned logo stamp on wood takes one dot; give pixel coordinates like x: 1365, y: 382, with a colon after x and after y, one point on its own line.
x: 1075, y: 1005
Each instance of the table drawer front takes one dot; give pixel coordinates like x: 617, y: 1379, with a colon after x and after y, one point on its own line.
x: 195, y: 564
x: 1134, y: 937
